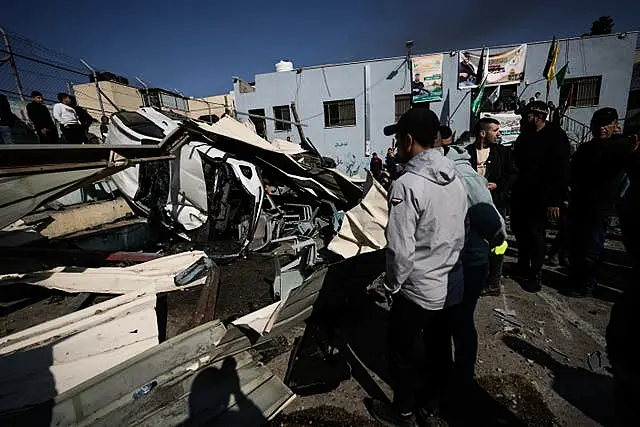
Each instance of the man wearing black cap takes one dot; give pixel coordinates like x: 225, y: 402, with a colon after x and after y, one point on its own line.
x: 425, y: 237
x: 541, y: 155
x: 43, y: 123
x: 597, y: 175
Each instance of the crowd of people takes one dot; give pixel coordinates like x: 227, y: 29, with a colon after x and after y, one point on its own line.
x: 447, y: 239
x: 67, y: 122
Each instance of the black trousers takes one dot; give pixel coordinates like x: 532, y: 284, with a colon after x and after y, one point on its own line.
x: 410, y: 388
x: 74, y: 134
x: 50, y: 138
x: 529, y: 223
x: 496, y: 261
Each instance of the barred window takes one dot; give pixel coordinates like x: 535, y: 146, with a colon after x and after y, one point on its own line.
x: 581, y: 91
x: 340, y: 113
x: 403, y: 104
x: 282, y: 112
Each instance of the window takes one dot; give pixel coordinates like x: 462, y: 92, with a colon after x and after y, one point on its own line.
x: 581, y: 91
x: 282, y: 112
x: 403, y: 104
x: 259, y: 122
x: 340, y: 113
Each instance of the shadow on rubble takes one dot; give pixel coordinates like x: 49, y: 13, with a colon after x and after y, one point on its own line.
x: 589, y: 392
x: 216, y: 395
x: 28, y: 384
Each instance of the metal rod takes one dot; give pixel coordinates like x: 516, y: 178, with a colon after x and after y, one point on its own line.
x: 59, y: 67
x: 270, y: 118
x: 98, y: 91
x: 12, y: 63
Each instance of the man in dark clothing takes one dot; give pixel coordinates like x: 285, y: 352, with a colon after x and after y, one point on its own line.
x: 622, y: 332
x: 541, y: 155
x: 493, y: 161
x: 375, y: 166
x: 7, y: 121
x: 41, y: 118
x: 597, y: 174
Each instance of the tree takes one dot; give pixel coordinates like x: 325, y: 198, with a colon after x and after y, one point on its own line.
x: 603, y: 25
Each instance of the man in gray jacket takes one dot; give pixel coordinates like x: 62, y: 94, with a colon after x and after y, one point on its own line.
x: 425, y: 238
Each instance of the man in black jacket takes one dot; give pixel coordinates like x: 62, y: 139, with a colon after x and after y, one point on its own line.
x: 598, y: 170
x: 493, y: 161
x: 41, y: 118
x: 541, y: 155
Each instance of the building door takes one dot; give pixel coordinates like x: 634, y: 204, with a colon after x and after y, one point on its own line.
x: 259, y: 122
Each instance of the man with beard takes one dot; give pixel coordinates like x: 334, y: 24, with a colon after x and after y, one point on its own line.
x: 541, y: 155
x: 492, y: 160
x: 598, y: 170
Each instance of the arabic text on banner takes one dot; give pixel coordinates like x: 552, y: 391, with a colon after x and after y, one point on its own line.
x: 507, y: 67
x: 426, y: 84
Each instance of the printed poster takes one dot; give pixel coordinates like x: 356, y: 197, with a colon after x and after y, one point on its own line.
x: 506, y: 66
x: 426, y: 85
x: 509, y: 125
x: 468, y: 65
x: 502, y: 66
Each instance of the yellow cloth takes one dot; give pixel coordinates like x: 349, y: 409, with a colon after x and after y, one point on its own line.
x: 500, y: 250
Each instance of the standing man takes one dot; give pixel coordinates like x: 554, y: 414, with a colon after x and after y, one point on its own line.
x: 597, y: 175
x: 541, y: 155
x: 493, y: 161
x: 70, y: 126
x: 43, y: 123
x: 425, y: 235
x: 375, y: 166
x: 537, y: 96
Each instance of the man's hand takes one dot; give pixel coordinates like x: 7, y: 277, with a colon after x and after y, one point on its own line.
x: 492, y: 186
x: 389, y: 296
x: 553, y: 213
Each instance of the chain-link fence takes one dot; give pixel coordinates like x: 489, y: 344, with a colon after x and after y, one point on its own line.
x: 27, y: 66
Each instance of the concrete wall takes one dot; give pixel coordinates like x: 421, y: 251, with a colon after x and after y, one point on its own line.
x: 125, y: 97
x: 609, y: 56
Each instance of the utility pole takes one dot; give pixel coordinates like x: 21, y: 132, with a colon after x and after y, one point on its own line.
x: 12, y: 63
x: 98, y: 91
x: 294, y: 110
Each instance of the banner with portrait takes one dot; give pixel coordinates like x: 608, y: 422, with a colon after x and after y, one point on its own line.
x: 501, y: 66
x: 426, y: 82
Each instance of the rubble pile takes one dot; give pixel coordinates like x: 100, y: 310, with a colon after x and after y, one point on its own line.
x: 158, y: 205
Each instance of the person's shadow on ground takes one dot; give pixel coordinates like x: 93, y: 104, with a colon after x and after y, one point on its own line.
x: 216, y: 398
x: 589, y: 392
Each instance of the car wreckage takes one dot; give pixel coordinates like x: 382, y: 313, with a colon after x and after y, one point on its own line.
x: 227, y: 186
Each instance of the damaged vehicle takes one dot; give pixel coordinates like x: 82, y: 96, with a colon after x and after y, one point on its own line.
x: 228, y: 187
x: 203, y: 194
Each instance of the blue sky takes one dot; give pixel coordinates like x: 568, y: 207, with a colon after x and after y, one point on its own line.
x: 196, y: 46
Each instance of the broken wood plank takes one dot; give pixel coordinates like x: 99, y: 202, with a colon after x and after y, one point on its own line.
x: 48, y: 359
x: 85, y: 216
x: 155, y: 276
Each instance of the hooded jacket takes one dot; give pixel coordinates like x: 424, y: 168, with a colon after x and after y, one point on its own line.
x: 486, y: 225
x: 426, y: 232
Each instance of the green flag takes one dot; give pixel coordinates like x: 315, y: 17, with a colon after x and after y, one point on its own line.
x: 560, y: 75
x: 475, y: 106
